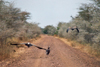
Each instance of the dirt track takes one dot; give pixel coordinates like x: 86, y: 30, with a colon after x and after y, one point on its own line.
x: 61, y: 55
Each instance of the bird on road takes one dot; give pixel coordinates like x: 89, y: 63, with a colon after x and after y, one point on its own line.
x: 29, y: 45
x: 72, y: 28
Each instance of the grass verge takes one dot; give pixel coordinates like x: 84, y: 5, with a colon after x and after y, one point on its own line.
x: 7, y: 50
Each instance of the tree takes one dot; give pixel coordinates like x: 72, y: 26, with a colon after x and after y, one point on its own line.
x: 24, y: 16
x: 50, y: 30
x: 86, y: 12
x: 59, y: 25
x: 97, y: 2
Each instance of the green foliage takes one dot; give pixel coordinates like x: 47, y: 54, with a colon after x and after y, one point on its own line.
x: 86, y: 12
x: 51, y: 30
x: 97, y: 2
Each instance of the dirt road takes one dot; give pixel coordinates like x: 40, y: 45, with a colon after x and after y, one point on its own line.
x: 61, y: 55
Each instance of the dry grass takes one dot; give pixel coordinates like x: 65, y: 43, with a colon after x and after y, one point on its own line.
x: 7, y: 51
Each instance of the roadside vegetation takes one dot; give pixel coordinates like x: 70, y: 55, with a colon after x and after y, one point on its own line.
x: 88, y: 23
x: 14, y: 27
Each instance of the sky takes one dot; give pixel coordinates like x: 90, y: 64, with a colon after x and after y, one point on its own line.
x: 49, y: 12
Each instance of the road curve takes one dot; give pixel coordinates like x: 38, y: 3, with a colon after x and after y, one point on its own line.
x: 61, y: 55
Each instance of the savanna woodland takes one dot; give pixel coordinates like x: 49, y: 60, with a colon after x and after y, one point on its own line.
x: 14, y: 27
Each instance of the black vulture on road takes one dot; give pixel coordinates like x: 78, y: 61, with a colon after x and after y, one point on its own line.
x: 29, y: 45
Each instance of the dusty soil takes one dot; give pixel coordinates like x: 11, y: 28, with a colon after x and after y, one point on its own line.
x: 61, y: 55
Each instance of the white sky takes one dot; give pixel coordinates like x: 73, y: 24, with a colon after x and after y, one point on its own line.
x: 49, y: 12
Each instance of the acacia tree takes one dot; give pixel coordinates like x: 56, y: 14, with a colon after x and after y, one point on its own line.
x: 85, y: 11
x: 13, y: 21
x: 96, y: 2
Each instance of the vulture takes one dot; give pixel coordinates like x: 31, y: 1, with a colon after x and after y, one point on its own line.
x: 29, y: 45
x: 72, y: 28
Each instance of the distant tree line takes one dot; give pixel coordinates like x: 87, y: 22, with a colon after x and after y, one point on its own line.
x: 50, y: 30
